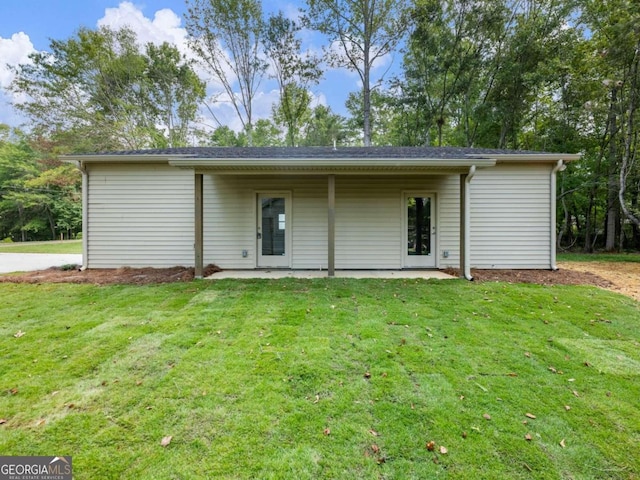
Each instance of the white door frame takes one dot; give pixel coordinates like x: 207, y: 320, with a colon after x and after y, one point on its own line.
x: 420, y: 261
x: 273, y: 261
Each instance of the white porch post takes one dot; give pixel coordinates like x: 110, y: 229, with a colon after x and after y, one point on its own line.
x: 198, y: 223
x: 331, y: 230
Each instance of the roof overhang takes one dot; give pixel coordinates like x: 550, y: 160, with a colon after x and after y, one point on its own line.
x: 320, y: 166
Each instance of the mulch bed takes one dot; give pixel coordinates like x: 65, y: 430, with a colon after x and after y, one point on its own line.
x: 124, y: 275
x: 541, y: 277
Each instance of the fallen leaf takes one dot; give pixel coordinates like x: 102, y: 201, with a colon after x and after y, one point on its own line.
x: 576, y: 393
x: 608, y: 394
x: 527, y: 437
x: 530, y: 415
x: 461, y: 397
x: 553, y: 370
x: 18, y: 334
x: 139, y: 382
x: 41, y: 422
x: 381, y: 460
x: 562, y: 443
x: 464, y: 434
x: 367, y: 375
x: 571, y: 380
x: 375, y: 448
x: 374, y: 433
x: 512, y: 374
x: 3, y: 421
x: 527, y: 354
x: 166, y: 440
x: 383, y: 374
x: 317, y: 399
x: 431, y: 446
x: 443, y: 450
x: 13, y: 391
x: 587, y: 364
x: 567, y: 408
x: 327, y: 431
x: 487, y: 416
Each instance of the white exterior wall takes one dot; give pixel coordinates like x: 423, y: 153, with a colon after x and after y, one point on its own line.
x: 369, y: 224
x: 511, y: 217
x: 140, y: 216
x: 143, y: 215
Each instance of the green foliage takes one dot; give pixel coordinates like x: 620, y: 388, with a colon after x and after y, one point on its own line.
x: 39, y: 196
x: 294, y: 71
x: 95, y: 91
x: 246, y: 376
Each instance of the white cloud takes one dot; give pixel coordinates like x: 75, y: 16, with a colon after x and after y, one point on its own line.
x: 13, y: 51
x: 164, y: 27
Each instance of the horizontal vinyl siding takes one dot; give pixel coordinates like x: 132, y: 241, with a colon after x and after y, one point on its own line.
x: 510, y: 217
x: 140, y: 216
x: 368, y: 218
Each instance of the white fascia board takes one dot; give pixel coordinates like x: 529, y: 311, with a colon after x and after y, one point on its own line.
x: 531, y: 157
x: 303, y: 163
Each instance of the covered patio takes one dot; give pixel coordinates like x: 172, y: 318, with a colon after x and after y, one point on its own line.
x: 380, y: 274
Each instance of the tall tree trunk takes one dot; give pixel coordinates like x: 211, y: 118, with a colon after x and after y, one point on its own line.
x: 613, y: 208
x: 366, y: 89
x: 628, y: 156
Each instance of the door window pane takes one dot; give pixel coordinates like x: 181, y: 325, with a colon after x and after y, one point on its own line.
x: 419, y: 226
x: 273, y: 226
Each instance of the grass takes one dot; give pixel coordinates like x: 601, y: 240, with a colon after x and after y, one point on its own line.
x: 58, y: 246
x: 326, y: 378
x: 599, y: 257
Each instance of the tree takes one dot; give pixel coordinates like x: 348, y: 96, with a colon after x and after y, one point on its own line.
x: 39, y: 196
x: 324, y: 128
x: 362, y: 32
x: 98, y: 92
x: 294, y: 71
x: 225, y: 35
x: 175, y: 93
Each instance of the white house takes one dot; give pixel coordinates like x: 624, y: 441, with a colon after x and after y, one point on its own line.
x: 320, y: 208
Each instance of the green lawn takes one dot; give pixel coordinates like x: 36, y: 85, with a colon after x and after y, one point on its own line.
x: 64, y: 246
x: 327, y: 378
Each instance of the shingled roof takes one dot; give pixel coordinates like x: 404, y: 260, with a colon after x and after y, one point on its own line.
x: 322, y: 152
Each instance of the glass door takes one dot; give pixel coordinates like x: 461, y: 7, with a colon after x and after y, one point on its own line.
x: 273, y: 230
x: 420, y: 231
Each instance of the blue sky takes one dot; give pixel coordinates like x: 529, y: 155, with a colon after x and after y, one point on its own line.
x: 28, y: 25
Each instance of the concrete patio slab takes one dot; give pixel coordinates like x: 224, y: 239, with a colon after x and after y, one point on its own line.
x: 274, y: 274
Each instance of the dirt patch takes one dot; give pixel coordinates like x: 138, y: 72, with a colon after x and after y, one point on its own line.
x: 623, y: 276
x: 125, y: 275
